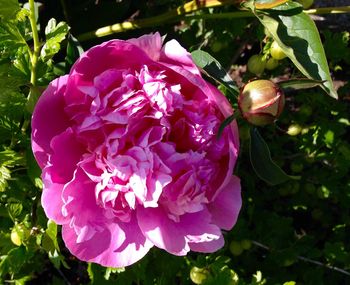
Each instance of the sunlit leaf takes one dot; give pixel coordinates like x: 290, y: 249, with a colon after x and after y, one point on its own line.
x: 214, y: 69
x: 299, y: 83
x: 298, y: 36
x: 268, y: 4
x: 55, y: 34
x: 14, y: 208
x: 8, y: 8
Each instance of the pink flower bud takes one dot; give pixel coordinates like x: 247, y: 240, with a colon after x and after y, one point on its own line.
x: 261, y: 102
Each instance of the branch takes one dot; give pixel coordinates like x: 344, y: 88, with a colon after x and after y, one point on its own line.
x: 182, y: 13
x: 305, y: 259
x: 169, y: 17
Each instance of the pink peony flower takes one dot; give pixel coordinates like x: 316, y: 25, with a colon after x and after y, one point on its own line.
x: 129, y: 154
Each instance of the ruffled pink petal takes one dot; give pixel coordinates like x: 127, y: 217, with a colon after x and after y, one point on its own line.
x: 218, y: 99
x: 117, y: 245
x: 175, y: 236
x: 175, y: 55
x: 51, y: 199
x: 108, y: 55
x: 80, y: 200
x: 226, y: 109
x: 95, y: 61
x: 48, y: 119
x: 151, y: 44
x: 65, y: 156
x: 226, y: 206
x: 198, y: 227
x: 209, y: 246
x: 161, y: 231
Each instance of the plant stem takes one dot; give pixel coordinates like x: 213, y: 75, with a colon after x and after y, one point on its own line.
x: 36, y: 50
x: 169, y: 17
x: 34, y: 56
x: 181, y: 13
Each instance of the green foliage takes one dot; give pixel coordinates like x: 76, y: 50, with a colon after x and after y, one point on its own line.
x: 8, y: 8
x: 262, y: 163
x: 213, y: 68
x: 336, y: 46
x: 55, y: 34
x: 289, y: 231
x: 74, y: 51
x: 297, y: 34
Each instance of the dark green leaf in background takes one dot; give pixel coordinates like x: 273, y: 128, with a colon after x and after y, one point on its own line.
x: 262, y: 163
x: 74, y: 51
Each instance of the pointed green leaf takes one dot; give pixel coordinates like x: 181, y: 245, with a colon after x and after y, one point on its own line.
x: 5, y: 175
x: 74, y: 51
x: 298, y: 36
x: 299, y: 83
x: 57, y: 31
x: 226, y: 122
x: 55, y: 34
x: 11, y: 158
x: 51, y: 229
x: 214, y: 69
x: 10, y: 36
x: 8, y: 8
x: 268, y: 4
x: 262, y: 163
x: 14, y: 208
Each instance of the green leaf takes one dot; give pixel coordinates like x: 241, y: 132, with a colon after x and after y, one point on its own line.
x: 8, y: 158
x: 11, y: 158
x: 11, y: 111
x: 298, y: 36
x: 262, y: 163
x: 268, y: 4
x: 51, y: 229
x: 13, y: 261
x: 10, y: 36
x: 74, y: 51
x: 226, y: 122
x: 96, y: 273
x: 14, y: 208
x: 33, y: 169
x: 214, y: 69
x: 8, y: 8
x: 55, y: 34
x: 23, y: 280
x: 299, y: 83
x: 56, y: 31
x: 49, y: 242
x: 5, y: 175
